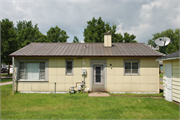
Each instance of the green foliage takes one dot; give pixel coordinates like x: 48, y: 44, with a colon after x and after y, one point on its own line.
x: 94, y: 33
x: 76, y: 40
x: 173, y: 35
x: 8, y: 40
x: 57, y: 35
x: 26, y: 34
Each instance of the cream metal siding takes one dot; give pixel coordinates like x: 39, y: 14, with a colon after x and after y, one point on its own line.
x: 107, y: 40
x: 147, y: 81
x: 175, y: 78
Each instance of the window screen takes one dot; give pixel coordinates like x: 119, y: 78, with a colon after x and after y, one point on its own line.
x: 32, y: 70
x: 22, y: 70
x: 42, y: 70
x: 131, y: 67
x: 69, y: 67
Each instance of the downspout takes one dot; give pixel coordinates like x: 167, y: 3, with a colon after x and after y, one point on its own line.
x: 13, y: 74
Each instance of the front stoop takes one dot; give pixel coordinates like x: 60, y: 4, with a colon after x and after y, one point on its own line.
x: 98, y: 94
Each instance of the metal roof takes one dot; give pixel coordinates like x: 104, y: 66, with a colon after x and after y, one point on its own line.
x: 91, y: 49
x: 172, y: 55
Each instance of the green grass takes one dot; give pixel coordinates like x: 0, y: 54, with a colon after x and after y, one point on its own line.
x: 160, y: 75
x: 6, y: 74
x: 6, y: 80
x: 80, y: 106
x: 161, y: 83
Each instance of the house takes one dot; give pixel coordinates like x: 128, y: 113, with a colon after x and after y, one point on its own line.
x: 171, y: 76
x: 160, y: 66
x: 111, y: 67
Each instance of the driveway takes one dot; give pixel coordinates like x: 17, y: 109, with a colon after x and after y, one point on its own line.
x: 6, y: 83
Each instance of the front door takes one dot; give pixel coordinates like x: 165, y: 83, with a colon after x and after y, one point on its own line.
x: 98, y: 78
x: 168, y: 82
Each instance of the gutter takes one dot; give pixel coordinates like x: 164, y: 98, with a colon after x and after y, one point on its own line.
x: 167, y: 58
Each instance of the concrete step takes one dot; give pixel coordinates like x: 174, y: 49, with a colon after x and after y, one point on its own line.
x: 98, y: 94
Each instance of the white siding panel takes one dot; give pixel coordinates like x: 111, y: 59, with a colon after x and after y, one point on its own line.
x: 176, y: 83
x: 176, y: 79
x: 176, y: 95
x: 176, y: 87
x: 176, y: 91
x: 176, y: 99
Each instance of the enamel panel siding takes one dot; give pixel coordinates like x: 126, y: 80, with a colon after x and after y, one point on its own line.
x: 175, y: 78
x: 147, y: 81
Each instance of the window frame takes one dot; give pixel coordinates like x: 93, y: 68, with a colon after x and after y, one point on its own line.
x: 131, y: 61
x: 66, y: 67
x: 33, y: 61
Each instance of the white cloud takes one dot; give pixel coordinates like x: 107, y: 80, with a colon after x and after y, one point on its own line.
x: 153, y: 17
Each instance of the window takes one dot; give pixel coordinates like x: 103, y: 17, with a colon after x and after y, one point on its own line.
x: 69, y: 67
x: 131, y: 67
x: 32, y: 70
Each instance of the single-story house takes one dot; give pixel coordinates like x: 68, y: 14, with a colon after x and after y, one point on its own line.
x: 111, y: 67
x: 171, y: 76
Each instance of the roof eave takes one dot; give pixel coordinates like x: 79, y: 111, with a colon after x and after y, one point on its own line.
x: 85, y: 56
x: 172, y: 58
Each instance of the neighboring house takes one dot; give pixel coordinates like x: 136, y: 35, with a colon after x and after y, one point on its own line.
x: 161, y: 66
x: 111, y: 67
x: 3, y: 65
x: 171, y: 76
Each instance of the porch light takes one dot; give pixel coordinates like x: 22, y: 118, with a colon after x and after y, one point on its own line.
x: 111, y: 66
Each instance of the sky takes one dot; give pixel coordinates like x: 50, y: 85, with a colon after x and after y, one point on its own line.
x: 139, y: 17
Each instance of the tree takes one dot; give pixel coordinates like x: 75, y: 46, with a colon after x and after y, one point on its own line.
x: 57, y: 35
x: 8, y: 41
x: 26, y: 34
x: 94, y: 33
x: 76, y: 40
x: 174, y: 44
x: 129, y: 38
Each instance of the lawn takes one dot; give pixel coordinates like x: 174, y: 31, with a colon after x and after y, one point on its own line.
x: 6, y: 74
x: 161, y: 83
x: 6, y: 80
x: 161, y: 75
x: 80, y: 106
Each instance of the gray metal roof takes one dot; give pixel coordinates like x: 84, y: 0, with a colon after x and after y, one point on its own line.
x: 91, y: 49
x: 172, y: 55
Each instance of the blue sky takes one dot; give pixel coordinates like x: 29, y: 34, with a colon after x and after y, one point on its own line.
x: 139, y: 17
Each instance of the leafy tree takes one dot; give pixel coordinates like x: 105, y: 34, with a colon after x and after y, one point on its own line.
x: 129, y: 38
x: 26, y: 33
x: 57, y: 35
x: 76, y: 40
x: 94, y: 33
x: 8, y: 41
x: 172, y: 34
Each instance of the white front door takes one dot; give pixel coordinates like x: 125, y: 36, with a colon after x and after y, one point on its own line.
x: 168, y: 82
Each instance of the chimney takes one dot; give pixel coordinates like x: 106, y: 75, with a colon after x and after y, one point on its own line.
x: 107, y: 40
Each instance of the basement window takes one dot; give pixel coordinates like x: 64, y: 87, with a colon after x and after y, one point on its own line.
x: 131, y: 67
